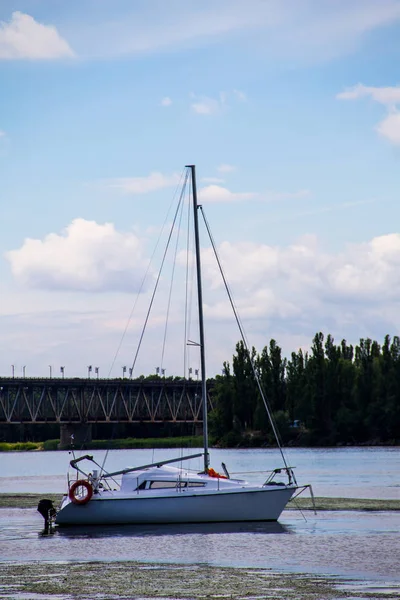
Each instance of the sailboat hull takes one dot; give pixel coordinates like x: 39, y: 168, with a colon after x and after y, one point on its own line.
x: 257, y: 504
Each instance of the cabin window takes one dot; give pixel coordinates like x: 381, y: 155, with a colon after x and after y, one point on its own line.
x: 159, y: 485
x: 162, y: 484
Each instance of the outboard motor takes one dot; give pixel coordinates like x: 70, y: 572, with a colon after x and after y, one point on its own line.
x: 47, y: 510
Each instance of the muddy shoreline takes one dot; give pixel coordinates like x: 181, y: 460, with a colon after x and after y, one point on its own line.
x: 117, y: 580
x: 139, y: 580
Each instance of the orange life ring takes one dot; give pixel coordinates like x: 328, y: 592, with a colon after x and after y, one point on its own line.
x: 82, y: 499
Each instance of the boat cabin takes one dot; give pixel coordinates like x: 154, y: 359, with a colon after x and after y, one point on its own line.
x: 162, y: 478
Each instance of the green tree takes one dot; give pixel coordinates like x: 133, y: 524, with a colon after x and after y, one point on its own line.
x: 296, y: 390
x: 271, y: 368
x: 221, y: 418
x: 245, y: 387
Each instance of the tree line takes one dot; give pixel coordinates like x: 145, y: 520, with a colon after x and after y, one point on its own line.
x: 333, y: 394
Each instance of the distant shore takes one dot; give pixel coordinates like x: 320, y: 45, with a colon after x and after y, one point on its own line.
x: 118, y: 444
x: 27, y: 500
x: 150, y: 443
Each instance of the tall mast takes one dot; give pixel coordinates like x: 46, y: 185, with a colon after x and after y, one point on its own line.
x: 201, y: 320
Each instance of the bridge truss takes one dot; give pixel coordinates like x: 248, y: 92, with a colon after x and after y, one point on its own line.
x: 100, y: 401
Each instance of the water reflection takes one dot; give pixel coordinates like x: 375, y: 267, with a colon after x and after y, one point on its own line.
x: 360, y: 544
x: 102, y: 531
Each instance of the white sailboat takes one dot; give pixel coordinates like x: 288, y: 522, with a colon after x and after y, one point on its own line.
x: 163, y: 493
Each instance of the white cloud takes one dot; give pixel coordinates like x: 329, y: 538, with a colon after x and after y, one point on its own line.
x: 317, y: 31
x: 225, y: 168
x: 24, y: 38
x: 367, y: 272
x: 158, y: 26
x: 207, y: 106
x: 85, y: 257
x: 284, y: 291
x: 2, y: 133
x: 212, y: 180
x: 383, y: 95
x: 258, y: 266
x: 143, y: 185
x: 300, y: 289
x: 290, y: 29
x: 217, y: 193
x: 166, y: 101
x: 241, y: 96
x: 363, y: 274
x: 389, y: 127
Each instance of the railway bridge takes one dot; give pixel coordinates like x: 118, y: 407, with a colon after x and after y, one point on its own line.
x: 77, y: 403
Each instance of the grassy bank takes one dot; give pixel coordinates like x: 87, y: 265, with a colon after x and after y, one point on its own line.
x: 122, y: 444
x: 20, y: 446
x: 31, y: 501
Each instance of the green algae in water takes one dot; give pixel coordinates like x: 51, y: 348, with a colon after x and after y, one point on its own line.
x: 27, y: 500
x: 361, y: 504
x: 98, y: 581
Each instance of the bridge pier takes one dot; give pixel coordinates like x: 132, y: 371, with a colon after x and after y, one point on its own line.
x: 81, y: 432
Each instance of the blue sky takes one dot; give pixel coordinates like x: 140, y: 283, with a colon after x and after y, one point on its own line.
x: 289, y: 109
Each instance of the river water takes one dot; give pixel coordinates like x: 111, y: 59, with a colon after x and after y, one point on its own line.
x: 361, y: 545
x: 334, y: 472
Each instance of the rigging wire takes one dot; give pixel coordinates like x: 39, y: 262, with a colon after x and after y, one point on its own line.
x: 178, y: 187
x: 159, y: 273
x: 104, y: 461
x: 246, y: 345
x: 181, y: 205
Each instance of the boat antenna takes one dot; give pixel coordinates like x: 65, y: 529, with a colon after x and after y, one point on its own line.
x: 201, y: 320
